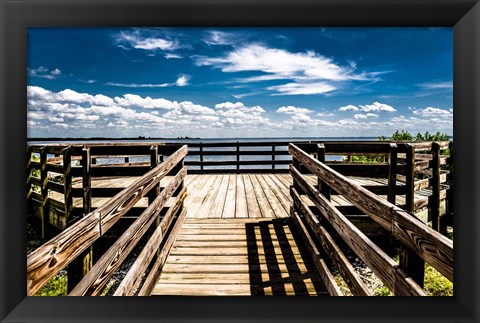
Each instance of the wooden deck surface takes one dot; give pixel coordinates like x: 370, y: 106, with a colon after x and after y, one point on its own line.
x: 239, y: 257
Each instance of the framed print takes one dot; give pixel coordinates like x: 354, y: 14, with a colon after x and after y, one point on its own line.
x: 173, y: 86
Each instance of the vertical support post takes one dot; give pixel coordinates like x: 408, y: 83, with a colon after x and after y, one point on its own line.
x: 238, y: 156
x: 410, y: 178
x: 273, y: 158
x: 29, y: 171
x: 67, y: 184
x: 322, y: 186
x: 127, y: 159
x: 392, y: 173
x: 449, y: 202
x: 201, y: 155
x: 81, y: 265
x: 153, y: 163
x: 296, y: 165
x: 413, y: 265
x: 44, y: 216
x: 434, y: 200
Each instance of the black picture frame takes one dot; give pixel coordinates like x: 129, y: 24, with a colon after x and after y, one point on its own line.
x: 16, y: 16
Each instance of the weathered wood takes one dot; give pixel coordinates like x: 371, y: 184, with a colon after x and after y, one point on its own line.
x: 318, y: 261
x: 153, y: 163
x: 201, y: 156
x: 132, y: 280
x: 44, y: 193
x: 252, y: 203
x: 427, y: 243
x: 375, y: 258
x: 67, y: 178
x: 322, y: 186
x: 238, y: 155
x: 434, y: 201
x: 47, y: 260
x: 95, y: 280
x: 273, y: 157
x: 86, y: 180
x: 202, y: 152
x: 336, y: 255
x: 392, y: 174
x: 150, y: 280
x: 410, y: 178
x: 449, y: 206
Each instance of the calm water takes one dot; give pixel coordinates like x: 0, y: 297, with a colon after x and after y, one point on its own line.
x: 217, y: 158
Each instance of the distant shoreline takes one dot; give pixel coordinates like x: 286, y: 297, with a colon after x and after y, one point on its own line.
x: 180, y: 138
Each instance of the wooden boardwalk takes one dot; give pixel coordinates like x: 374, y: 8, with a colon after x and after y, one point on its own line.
x: 239, y: 257
x: 240, y: 231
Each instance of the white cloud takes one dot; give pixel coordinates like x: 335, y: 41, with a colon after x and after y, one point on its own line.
x: 138, y: 85
x: 306, y: 69
x: 182, y: 80
x: 374, y: 115
x: 293, y: 110
x: 437, y: 85
x: 302, y: 88
x: 376, y: 106
x: 44, y: 72
x: 170, y: 56
x: 432, y: 112
x: 215, y: 37
x: 360, y: 116
x: 145, y: 41
x: 349, y: 108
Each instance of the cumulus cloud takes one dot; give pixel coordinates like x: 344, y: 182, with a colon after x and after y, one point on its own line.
x: 145, y: 40
x: 293, y: 110
x: 44, y: 72
x: 432, y: 112
x: 360, y: 116
x: 375, y: 107
x: 182, y: 80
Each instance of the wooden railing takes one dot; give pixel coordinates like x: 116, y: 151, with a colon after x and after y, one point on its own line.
x: 163, y: 222
x: 320, y: 221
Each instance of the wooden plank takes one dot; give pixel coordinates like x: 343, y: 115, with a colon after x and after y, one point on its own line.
x: 335, y: 253
x: 410, y: 178
x: 229, y: 208
x: 262, y: 200
x: 47, y: 260
x: 427, y: 243
x: 219, y: 202
x: 224, y: 290
x: 241, y: 207
x: 210, y: 196
x: 275, y: 204
x: 150, y: 280
x: 100, y: 274
x: 133, y: 278
x: 253, y: 207
x: 226, y: 259
x: 198, y: 193
x: 380, y: 263
x: 392, y: 174
x: 225, y: 250
x: 319, y: 262
x: 434, y: 200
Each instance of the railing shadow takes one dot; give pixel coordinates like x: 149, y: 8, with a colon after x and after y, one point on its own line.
x: 278, y: 262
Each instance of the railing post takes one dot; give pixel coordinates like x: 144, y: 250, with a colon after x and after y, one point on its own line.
x: 153, y: 163
x: 273, y: 157
x: 201, y: 155
x: 434, y: 200
x: 238, y: 156
x: 392, y: 174
x: 322, y: 186
x: 449, y: 201
x: 413, y: 265
x: 44, y: 216
x: 81, y: 265
x: 67, y: 183
x: 127, y: 159
x: 29, y: 171
x: 410, y: 178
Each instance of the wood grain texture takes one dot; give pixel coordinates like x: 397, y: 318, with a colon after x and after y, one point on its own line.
x: 51, y: 257
x: 433, y: 247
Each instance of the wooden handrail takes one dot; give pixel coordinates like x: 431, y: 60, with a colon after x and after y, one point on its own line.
x: 51, y: 257
x: 426, y: 242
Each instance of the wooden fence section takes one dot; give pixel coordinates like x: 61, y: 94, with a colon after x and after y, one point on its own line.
x: 163, y: 216
x: 316, y: 216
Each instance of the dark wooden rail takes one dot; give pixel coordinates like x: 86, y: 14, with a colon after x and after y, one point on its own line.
x: 61, y: 250
x: 316, y: 215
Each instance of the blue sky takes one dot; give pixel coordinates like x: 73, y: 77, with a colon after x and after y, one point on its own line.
x: 238, y: 82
